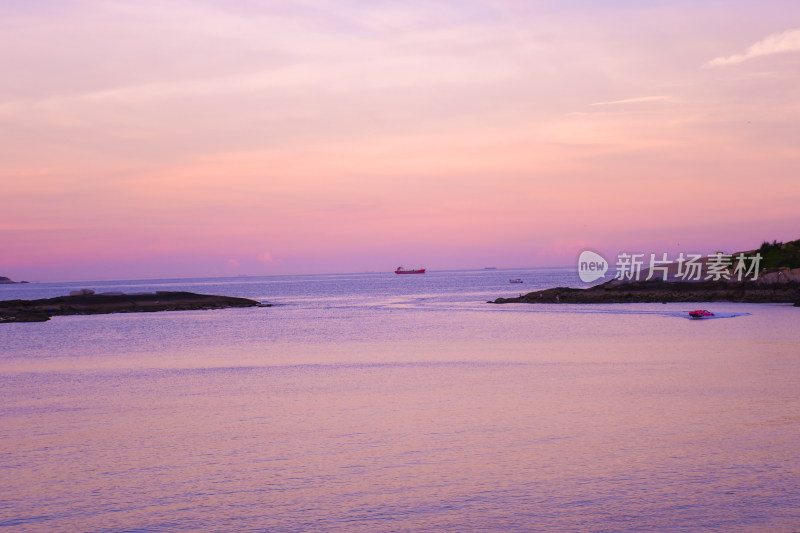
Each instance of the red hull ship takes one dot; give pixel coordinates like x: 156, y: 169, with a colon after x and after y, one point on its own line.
x: 401, y: 270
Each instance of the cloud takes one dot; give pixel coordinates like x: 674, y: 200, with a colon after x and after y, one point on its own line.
x: 637, y: 100
x: 777, y: 43
x: 266, y: 258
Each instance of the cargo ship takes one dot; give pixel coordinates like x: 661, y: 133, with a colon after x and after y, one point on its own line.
x: 401, y: 270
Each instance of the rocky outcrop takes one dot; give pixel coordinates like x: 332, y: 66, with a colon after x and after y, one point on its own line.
x: 780, y: 275
x: 777, y: 282
x: 82, y: 292
x: 97, y: 304
x: 657, y: 291
x: 7, y: 281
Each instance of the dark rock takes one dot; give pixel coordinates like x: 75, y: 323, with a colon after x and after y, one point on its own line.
x: 655, y: 291
x: 7, y: 281
x: 94, y: 304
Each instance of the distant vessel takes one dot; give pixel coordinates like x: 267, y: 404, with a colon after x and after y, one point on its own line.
x: 515, y: 280
x: 401, y: 270
x: 490, y: 268
x: 700, y: 313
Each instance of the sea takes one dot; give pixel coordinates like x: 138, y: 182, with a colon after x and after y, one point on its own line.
x: 379, y: 402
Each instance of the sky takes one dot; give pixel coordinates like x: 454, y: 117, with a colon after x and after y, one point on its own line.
x: 215, y: 138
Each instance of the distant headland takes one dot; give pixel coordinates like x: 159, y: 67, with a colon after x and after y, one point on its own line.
x: 778, y: 282
x: 6, y: 281
x: 86, y: 302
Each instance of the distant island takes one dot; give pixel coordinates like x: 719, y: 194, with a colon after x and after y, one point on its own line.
x: 86, y: 302
x: 778, y: 282
x: 6, y: 281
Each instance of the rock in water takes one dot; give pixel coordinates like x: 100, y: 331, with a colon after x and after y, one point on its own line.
x: 88, y: 303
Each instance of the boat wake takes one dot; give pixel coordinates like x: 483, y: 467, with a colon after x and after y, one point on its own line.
x: 439, y: 303
x: 716, y: 315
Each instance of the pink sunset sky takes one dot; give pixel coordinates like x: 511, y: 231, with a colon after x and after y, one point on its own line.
x: 202, y: 138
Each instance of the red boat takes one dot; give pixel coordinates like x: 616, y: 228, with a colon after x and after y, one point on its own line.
x: 401, y: 270
x: 700, y: 313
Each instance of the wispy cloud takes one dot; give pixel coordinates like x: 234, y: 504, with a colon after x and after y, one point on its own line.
x: 638, y: 100
x: 777, y: 43
x: 182, y: 132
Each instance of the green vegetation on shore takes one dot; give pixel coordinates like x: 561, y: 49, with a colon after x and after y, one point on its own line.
x: 780, y: 255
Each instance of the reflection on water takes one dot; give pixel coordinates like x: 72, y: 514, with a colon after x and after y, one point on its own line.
x: 390, y: 415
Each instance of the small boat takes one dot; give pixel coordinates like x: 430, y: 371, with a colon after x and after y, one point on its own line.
x: 515, y: 280
x: 700, y: 313
x: 401, y: 270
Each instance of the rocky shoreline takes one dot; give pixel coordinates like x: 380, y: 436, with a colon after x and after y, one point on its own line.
x: 777, y: 282
x: 659, y: 291
x: 87, y: 303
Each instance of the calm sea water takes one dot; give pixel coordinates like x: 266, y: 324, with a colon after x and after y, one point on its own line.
x: 376, y: 402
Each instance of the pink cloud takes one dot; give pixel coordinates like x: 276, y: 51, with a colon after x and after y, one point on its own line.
x: 267, y: 258
x: 464, y: 136
x: 776, y: 43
